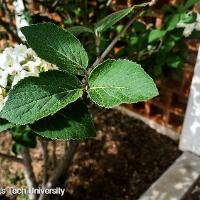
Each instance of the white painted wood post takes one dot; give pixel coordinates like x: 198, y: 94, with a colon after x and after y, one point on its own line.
x: 190, y: 137
x: 176, y: 181
x: 181, y: 176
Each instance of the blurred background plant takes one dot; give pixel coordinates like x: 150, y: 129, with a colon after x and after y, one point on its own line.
x: 155, y: 40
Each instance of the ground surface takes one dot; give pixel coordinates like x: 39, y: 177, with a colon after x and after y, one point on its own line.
x: 195, y: 193
x: 123, y: 160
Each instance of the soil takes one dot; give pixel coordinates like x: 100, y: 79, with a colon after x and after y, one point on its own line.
x: 124, y: 159
x: 195, y: 193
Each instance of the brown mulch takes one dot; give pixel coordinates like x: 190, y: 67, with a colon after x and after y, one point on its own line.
x: 195, y: 192
x: 123, y: 160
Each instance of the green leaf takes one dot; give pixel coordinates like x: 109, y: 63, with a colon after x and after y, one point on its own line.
x: 189, y: 3
x: 167, y: 8
x: 156, y: 34
x: 180, y: 9
x: 16, y: 148
x: 168, y: 45
x: 160, y: 58
x: 57, y: 46
x: 4, y: 125
x: 111, y: 19
x: 23, y: 135
x: 157, y: 70
x: 139, y: 27
x: 36, y: 97
x: 77, y: 30
x: 176, y: 35
x: 120, y: 81
x: 72, y: 122
x: 119, y: 28
x: 134, y: 40
x: 188, y: 18
x: 172, y: 22
x: 174, y: 61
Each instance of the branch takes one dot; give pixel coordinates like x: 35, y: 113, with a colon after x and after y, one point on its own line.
x: 44, y: 145
x: 7, y: 12
x: 63, y: 166
x: 54, y: 5
x: 97, y: 42
x: 108, y: 2
x: 153, y: 2
x: 49, y: 6
x: 28, y: 171
x: 54, y: 159
x: 10, y: 30
x: 12, y: 158
x: 118, y: 37
x: 65, y: 162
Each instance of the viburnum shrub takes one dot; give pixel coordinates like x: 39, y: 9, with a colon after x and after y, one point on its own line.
x: 50, y: 102
x: 44, y: 87
x: 17, y: 63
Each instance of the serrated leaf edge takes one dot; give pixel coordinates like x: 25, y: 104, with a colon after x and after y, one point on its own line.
x: 128, y: 102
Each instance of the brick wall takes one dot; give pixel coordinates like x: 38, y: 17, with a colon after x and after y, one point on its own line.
x: 169, y: 107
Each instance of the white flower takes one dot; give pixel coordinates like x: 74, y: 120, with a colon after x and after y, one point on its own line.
x: 1, y: 61
x: 2, y: 91
x: 33, y: 66
x: 45, y: 66
x: 2, y: 97
x: 197, y: 27
x: 20, y: 52
x: 7, y: 59
x: 2, y: 101
x: 189, y: 29
x: 21, y: 75
x: 181, y: 25
x: 3, y: 78
x: 198, y: 18
x: 17, y: 63
x: 15, y: 69
x: 16, y: 79
x: 198, y: 22
x: 25, y: 74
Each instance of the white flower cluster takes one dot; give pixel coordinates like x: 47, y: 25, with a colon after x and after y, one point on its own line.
x: 17, y: 63
x: 189, y: 28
